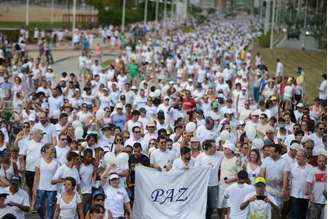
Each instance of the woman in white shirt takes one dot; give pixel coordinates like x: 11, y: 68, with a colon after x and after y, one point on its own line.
x: 253, y: 165
x: 42, y: 188
x: 69, y: 204
x: 117, y: 199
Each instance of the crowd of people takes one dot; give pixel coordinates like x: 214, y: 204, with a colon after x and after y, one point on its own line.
x: 174, y: 102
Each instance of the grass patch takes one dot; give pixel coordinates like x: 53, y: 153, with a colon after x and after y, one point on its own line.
x: 314, y: 64
x: 40, y: 25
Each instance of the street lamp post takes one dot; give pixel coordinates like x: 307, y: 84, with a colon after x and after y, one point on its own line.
x: 123, y: 16
x: 165, y: 12
x: 74, y: 16
x: 52, y: 12
x: 146, y: 12
x: 272, y: 22
x: 27, y: 12
x: 304, y: 27
x: 156, y: 11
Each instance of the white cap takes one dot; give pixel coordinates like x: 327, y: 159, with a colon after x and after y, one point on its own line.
x: 300, y: 105
x: 119, y: 105
x: 134, y: 88
x: 229, y: 145
x: 295, y: 146
x: 113, y: 176
x: 171, y: 82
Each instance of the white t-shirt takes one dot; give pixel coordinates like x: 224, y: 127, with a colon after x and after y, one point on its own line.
x: 212, y: 161
x: 298, y: 184
x: 204, y: 134
x: 161, y: 158
x: 274, y: 174
x: 68, y: 210
x: 32, y: 153
x: 64, y: 171
x: 115, y: 200
x: 235, y: 194
x: 47, y: 170
x: 318, y: 179
x: 178, y: 164
x: 86, y: 178
x: 61, y: 154
x: 50, y: 131
x: 323, y: 90
x: 20, y: 197
x: 259, y: 208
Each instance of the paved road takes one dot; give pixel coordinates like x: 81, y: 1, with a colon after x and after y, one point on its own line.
x: 309, y: 43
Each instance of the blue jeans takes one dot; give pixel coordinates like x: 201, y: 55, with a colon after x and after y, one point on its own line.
x: 41, y: 197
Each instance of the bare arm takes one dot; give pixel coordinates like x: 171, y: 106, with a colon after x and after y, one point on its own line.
x: 57, y: 211
x: 80, y: 210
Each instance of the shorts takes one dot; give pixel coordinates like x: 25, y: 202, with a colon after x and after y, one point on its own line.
x: 29, y: 179
x: 212, y: 196
x: 222, y: 202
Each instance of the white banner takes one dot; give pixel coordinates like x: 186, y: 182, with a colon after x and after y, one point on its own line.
x: 173, y: 194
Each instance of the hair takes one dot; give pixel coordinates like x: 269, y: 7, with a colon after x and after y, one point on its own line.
x: 258, y: 156
x: 184, y: 150
x: 277, y: 148
x: 137, y: 145
x: 242, y: 175
x: 207, y: 144
x: 9, y: 216
x: 63, y: 115
x: 71, y: 155
x: 161, y: 137
x: 135, y: 127
x: 87, y: 151
x: 45, y: 147
x: 72, y: 180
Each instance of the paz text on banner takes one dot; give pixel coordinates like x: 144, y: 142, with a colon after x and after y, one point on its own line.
x: 174, y: 194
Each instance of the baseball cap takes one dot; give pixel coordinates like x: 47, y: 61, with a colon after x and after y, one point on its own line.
x: 260, y: 181
x: 194, y: 139
x: 98, y: 193
x: 114, y: 176
x: 300, y: 105
x: 229, y: 146
x: 295, y: 146
x: 215, y: 104
x: 37, y: 131
x: 119, y: 106
x: 267, y: 142
x: 15, y: 179
x: 151, y: 123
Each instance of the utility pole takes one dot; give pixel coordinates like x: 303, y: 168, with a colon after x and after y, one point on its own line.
x: 52, y: 12
x: 156, y: 10
x: 272, y: 23
x: 74, y: 16
x: 267, y: 16
x: 27, y: 12
x: 123, y: 16
x: 146, y: 11
x: 172, y: 7
x: 304, y: 27
x: 165, y: 12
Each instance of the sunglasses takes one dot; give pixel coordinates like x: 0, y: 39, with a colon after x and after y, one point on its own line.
x: 99, y: 200
x: 119, y: 139
x: 63, y: 139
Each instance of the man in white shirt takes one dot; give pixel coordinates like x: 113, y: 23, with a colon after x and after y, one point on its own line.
x: 298, y: 172
x: 259, y: 204
x: 18, y: 198
x: 32, y: 153
x: 317, y: 187
x: 184, y: 162
x: 47, y: 128
x: 136, y: 137
x: 235, y: 194
x: 211, y: 158
x: 161, y: 158
x: 207, y: 131
x: 279, y: 69
x: 323, y: 90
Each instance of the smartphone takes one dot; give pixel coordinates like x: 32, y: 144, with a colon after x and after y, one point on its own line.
x: 260, y: 197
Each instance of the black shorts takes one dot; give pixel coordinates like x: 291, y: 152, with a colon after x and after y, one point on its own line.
x: 29, y: 179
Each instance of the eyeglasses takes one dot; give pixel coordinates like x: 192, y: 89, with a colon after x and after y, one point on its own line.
x: 99, y: 200
x: 162, y: 142
x: 137, y: 132
x: 262, y: 117
x: 63, y: 139
x: 26, y: 126
x: 119, y: 139
x: 321, y: 128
